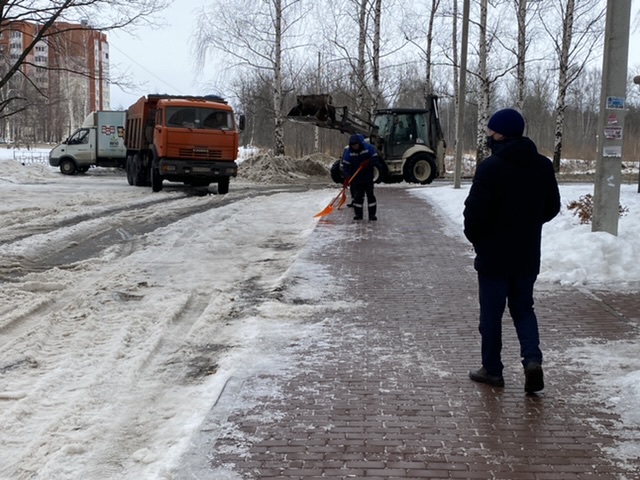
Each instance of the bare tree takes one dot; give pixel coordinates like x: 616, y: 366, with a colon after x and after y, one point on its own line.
x: 53, y: 20
x: 574, y: 40
x: 486, y: 82
x: 360, y: 73
x: 428, y: 85
x: 521, y: 16
x: 375, y: 67
x: 255, y: 37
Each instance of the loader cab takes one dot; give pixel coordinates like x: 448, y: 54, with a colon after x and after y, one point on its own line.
x: 400, y: 129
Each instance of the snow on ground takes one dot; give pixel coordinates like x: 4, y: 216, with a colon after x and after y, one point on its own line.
x: 571, y: 253
x: 109, y: 364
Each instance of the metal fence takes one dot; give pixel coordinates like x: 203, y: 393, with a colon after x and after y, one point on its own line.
x: 28, y: 157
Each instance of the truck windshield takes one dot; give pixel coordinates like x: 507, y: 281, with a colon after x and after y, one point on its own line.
x: 193, y: 117
x: 79, y: 137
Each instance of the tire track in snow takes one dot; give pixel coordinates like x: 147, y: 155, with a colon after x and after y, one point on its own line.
x: 126, y: 342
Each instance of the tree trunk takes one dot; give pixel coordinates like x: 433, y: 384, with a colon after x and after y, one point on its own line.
x: 563, y: 81
x: 455, y: 73
x: 360, y: 66
x: 375, y: 70
x: 278, y: 131
x: 484, y: 99
x: 521, y: 15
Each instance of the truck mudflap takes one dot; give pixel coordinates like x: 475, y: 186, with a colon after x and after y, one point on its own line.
x: 183, y: 170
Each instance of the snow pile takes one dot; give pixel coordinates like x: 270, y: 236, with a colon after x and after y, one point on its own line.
x: 571, y: 253
x: 264, y: 167
x: 13, y: 171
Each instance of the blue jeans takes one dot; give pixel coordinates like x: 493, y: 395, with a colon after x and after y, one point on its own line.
x: 517, y: 292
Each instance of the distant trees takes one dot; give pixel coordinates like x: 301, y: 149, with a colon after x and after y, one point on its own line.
x: 574, y: 38
x: 259, y: 41
x: 539, y: 56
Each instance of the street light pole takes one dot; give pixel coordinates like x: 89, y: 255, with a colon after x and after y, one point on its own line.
x: 606, y: 197
x: 636, y: 80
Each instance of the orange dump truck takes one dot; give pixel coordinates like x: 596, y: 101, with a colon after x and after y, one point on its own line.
x: 187, y: 139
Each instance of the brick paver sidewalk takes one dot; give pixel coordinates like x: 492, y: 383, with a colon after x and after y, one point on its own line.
x: 383, y: 393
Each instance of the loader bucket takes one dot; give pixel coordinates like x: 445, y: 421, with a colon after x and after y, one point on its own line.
x: 313, y: 109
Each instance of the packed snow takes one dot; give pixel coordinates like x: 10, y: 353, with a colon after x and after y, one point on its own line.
x: 111, y: 297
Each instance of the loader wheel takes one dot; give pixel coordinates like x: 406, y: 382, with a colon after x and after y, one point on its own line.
x: 68, y: 167
x: 420, y: 168
x: 336, y: 174
x: 380, y: 172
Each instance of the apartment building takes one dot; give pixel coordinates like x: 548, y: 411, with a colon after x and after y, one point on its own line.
x: 63, y: 78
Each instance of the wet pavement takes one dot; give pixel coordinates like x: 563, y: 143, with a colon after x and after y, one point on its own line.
x: 383, y: 392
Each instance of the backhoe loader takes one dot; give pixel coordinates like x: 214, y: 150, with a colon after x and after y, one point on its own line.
x: 410, y: 141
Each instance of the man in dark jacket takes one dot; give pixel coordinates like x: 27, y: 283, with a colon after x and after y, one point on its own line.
x: 360, y: 153
x: 514, y: 192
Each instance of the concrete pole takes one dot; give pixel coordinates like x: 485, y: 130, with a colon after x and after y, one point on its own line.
x: 636, y: 80
x: 462, y: 93
x: 606, y: 197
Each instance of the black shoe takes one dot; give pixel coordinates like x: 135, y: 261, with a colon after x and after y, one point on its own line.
x: 533, y: 378
x: 373, y: 218
x: 483, y: 377
x: 357, y: 218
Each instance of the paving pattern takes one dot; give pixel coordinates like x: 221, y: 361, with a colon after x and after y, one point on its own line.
x: 383, y: 392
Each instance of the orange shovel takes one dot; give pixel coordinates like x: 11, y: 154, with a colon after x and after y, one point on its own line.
x: 340, y: 199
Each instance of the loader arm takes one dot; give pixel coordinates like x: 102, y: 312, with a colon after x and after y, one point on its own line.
x: 318, y: 110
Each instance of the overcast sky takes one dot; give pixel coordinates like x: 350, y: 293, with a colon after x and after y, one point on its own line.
x: 162, y: 59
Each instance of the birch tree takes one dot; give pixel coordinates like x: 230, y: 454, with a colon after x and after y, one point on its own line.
x: 484, y: 94
x: 521, y: 55
x: 428, y: 84
x: 255, y: 37
x: 360, y: 74
x: 574, y: 41
x: 375, y: 58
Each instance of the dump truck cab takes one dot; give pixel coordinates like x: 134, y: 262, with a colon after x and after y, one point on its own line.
x: 188, y: 139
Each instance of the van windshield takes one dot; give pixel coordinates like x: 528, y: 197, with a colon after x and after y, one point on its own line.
x: 201, y: 118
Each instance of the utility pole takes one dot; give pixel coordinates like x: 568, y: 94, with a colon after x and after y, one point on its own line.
x: 636, y: 80
x: 606, y: 197
x: 462, y: 93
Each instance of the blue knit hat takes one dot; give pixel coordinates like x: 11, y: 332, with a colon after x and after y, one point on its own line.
x: 507, y: 122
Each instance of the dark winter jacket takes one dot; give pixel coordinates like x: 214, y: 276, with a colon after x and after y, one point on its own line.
x: 514, y: 192
x: 351, y: 160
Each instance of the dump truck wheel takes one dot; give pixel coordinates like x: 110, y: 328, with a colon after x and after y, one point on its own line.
x: 129, y: 168
x: 223, y: 186
x: 420, y: 168
x: 156, y: 179
x: 336, y: 174
x: 68, y: 166
x: 138, y: 172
